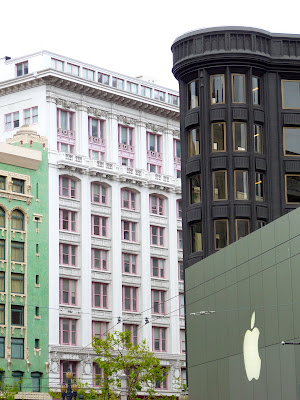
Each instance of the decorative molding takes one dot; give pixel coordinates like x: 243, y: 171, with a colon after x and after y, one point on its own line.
x: 97, y: 113
x: 66, y: 104
x: 154, y: 128
x: 125, y: 120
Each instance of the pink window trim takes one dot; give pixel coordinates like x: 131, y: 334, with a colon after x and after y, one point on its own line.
x: 70, y: 320
x: 180, y: 268
x: 101, y: 259
x: 101, y: 187
x: 160, y: 339
x: 30, y: 116
x: 126, y: 150
x: 161, y: 301
x: 69, y: 291
x: 182, y: 332
x: 70, y: 363
x: 102, y: 226
x: 179, y: 208
x: 131, y: 327
x: 66, y: 135
x: 154, y: 156
x: 181, y: 304
x: 101, y: 295
x: 69, y: 220
x: 56, y: 60
x: 157, y: 199
x: 160, y: 235
x: 70, y: 255
x: 132, y: 299
x: 85, y: 74
x: 12, y: 120
x: 177, y: 160
x: 179, y: 240
x: 130, y: 263
x: 131, y: 199
x: 164, y: 384
x: 97, y: 375
x: 130, y: 231
x: 69, y: 188
x: 103, y: 328
x: 159, y: 260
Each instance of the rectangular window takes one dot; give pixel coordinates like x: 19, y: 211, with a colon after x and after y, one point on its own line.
x: 68, y: 291
x: 129, y: 263
x: 193, y: 142
x: 158, y: 95
x: 99, y: 329
x: 2, y: 281
x: 180, y: 271
x: 99, y: 259
x: 255, y: 90
x: 179, y: 240
x: 196, y: 237
x: 22, y: 68
x: 291, y: 141
x: 2, y: 249
x: 98, y: 375
x: 158, y: 301
x: 126, y: 162
x: 292, y: 188
x: 221, y: 234
x: 65, y: 148
x: 259, y: 186
x: 129, y: 231
x: 88, y: 74
x: 125, y: 136
x: 172, y: 99
x: 129, y: 298
x: 96, y: 155
x: 242, y: 228
x: 73, y: 69
x: 103, y: 78
x: 17, y: 185
x: 145, y: 91
x: 17, y: 251
x: 195, y: 189
x: 17, y: 348
x: 159, y: 339
x: 182, y: 341
x: 157, y: 235
x: 238, y: 88
x: 17, y: 315
x: 67, y: 187
x: 12, y: 120
x: 133, y: 329
x: 290, y: 94
x: 65, y: 120
x: 117, y: 83
x: 177, y: 150
x: 66, y: 366
x: 99, y: 226
x: 132, y: 87
x: 217, y: 89
x: 163, y: 384
x: 183, y: 377
x: 260, y: 224
x: 99, y: 193
x: 96, y: 130
x: 181, y: 305
x: 67, y: 254
x: 219, y: 185
x: 156, y: 205
x: 67, y: 220
x: 68, y: 331
x: 2, y: 314
x: 179, y: 208
x: 31, y: 116
x: 154, y: 168
x: 193, y: 94
x: 258, y: 138
x: 218, y: 135
x: 239, y: 136
x: 241, y: 185
x: 99, y: 295
x: 128, y: 199
x: 57, y: 64
x: 157, y: 267
x: 2, y: 348
x: 2, y: 187
x: 17, y: 283
x: 36, y: 381
x: 153, y: 143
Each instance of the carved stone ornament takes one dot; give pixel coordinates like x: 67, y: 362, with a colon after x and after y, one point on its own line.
x: 97, y: 113
x: 126, y: 120
x: 87, y: 365
x: 176, y: 134
x: 54, y: 362
x: 154, y: 127
x: 67, y: 104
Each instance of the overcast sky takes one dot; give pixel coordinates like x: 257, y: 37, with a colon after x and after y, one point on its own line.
x: 130, y: 37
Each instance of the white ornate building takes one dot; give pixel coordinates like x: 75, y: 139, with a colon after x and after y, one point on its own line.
x: 114, y: 206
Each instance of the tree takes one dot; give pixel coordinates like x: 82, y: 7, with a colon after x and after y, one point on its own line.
x: 117, y: 355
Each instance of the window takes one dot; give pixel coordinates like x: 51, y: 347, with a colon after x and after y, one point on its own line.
x: 98, y: 375
x: 99, y: 329
x: 260, y: 224
x: 291, y: 141
x: 172, y: 99
x: 159, y: 339
x: 2, y: 314
x: 17, y: 348
x: 17, y: 220
x: 183, y: 377
x: 67, y: 254
x: 219, y: 185
x: 241, y: 185
x: 218, y: 132
x: 103, y: 78
x: 96, y: 130
x: 154, y: 168
x: 2, y: 218
x: 259, y: 188
x: 221, y: 234
x: 158, y: 301
x: 163, y: 384
x: 68, y: 331
x: 17, y: 377
x: 37, y: 311
x: 157, y: 235
x: 99, y: 225
x: 159, y: 95
x: 290, y: 94
x: 156, y: 205
x: 17, y: 251
x: 238, y: 88
x: 88, y: 74
x: 36, y: 381
x: 145, y: 91
x: 2, y: 249
x: 177, y: 151
x: 193, y: 142
x: 129, y: 298
x: 217, y: 90
x: 22, y: 68
x: 99, y: 193
x: 67, y: 187
x: 157, y: 267
x: 73, y: 69
x: 239, y: 136
x: 180, y: 271
x: 99, y: 259
x: 196, y: 236
x: 68, y: 291
x: 179, y: 240
x: 179, y: 208
x: 65, y: 120
x: 17, y: 283
x: 195, y: 189
x: 2, y: 281
x: 2, y: 187
x: 17, y: 315
x: 242, y: 228
x: 133, y: 329
x: 132, y: 87
x: 66, y: 366
x: 12, y: 120
x: 193, y: 94
x: 129, y: 231
x: 182, y: 341
x: 31, y: 116
x: 65, y: 147
x: 37, y: 343
x: 67, y: 220
x: 292, y: 188
x: 153, y: 142
x: 57, y: 64
x: 2, y: 349
x: 125, y: 135
x: 129, y: 263
x: 128, y: 199
x: 99, y: 295
x: 256, y: 90
x: 181, y: 305
x: 126, y: 162
x: 17, y: 185
x: 117, y: 83
x: 258, y: 138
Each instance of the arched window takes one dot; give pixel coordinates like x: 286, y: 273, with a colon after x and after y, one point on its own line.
x: 17, y: 220
x: 2, y: 218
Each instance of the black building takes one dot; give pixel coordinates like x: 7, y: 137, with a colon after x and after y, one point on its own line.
x: 240, y: 133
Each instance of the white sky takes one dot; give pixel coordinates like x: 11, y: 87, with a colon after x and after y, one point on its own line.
x: 129, y: 36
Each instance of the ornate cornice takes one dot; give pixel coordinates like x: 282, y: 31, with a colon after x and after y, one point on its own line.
x: 97, y: 112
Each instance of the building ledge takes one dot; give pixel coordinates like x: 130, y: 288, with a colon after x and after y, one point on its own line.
x: 20, y: 156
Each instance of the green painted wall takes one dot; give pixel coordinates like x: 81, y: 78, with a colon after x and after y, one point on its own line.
x: 35, y: 239
x: 260, y: 273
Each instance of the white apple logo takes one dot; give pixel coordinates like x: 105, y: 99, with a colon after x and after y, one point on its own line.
x: 251, y: 357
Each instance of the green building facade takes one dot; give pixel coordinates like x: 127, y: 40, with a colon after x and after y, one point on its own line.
x: 252, y: 285
x: 24, y: 263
